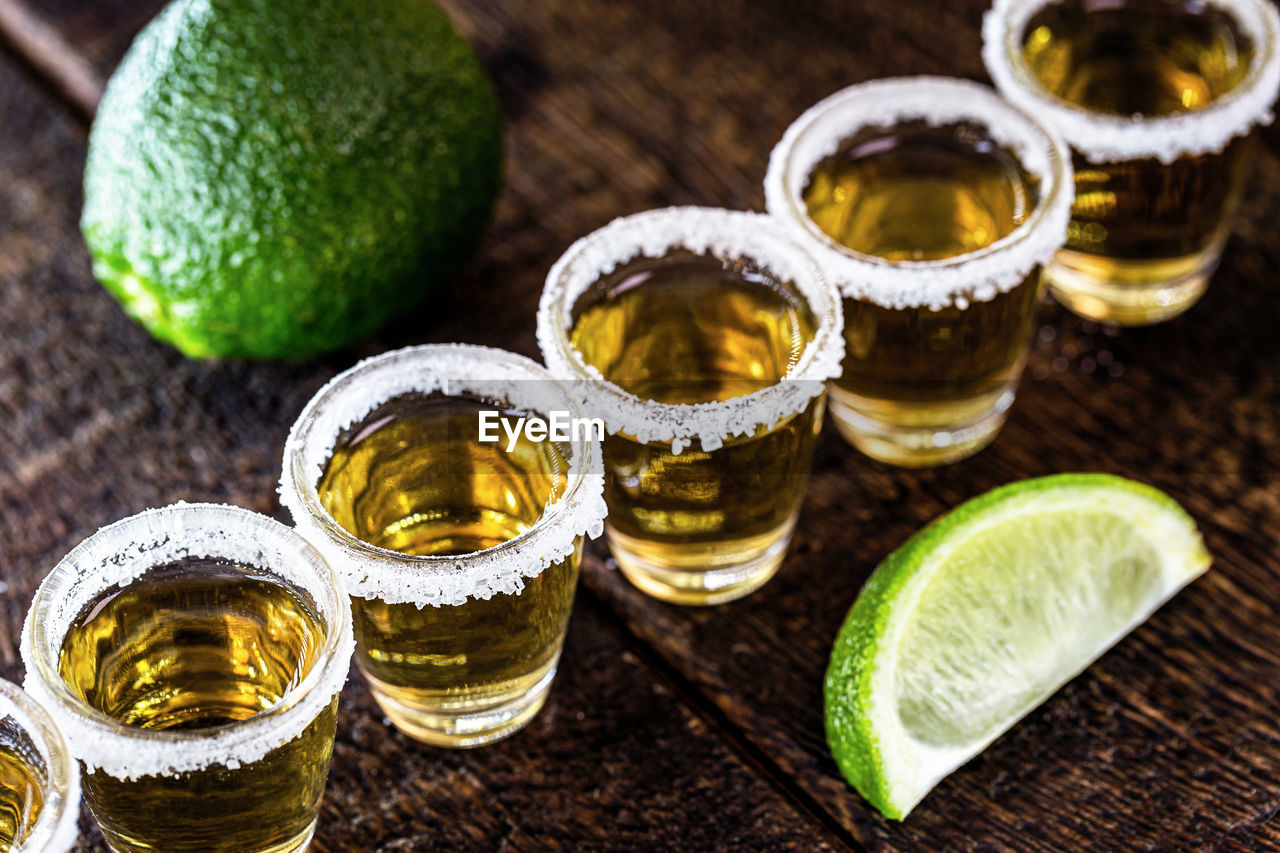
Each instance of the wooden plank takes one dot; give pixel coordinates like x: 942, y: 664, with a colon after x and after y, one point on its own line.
x: 101, y: 421
x: 1170, y: 741
x: 74, y: 43
x: 44, y: 46
x: 761, y: 661
x: 614, y: 762
x: 1171, y: 738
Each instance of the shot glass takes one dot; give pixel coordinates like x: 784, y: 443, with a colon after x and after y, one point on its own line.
x: 39, y: 780
x: 438, y: 482
x: 933, y: 204
x: 704, y: 338
x: 192, y: 656
x: 1159, y: 101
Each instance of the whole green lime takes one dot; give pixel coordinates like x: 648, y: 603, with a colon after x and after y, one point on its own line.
x: 278, y: 178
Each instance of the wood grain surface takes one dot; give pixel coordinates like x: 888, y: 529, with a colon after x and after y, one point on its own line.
x: 673, y: 728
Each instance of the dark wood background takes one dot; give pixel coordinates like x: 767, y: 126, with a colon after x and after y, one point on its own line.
x: 673, y: 728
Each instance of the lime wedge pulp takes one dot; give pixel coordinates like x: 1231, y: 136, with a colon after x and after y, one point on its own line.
x: 984, y: 613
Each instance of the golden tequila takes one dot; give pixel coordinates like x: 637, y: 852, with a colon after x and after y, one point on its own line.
x: 199, y: 645
x: 458, y: 532
x: 39, y: 780
x: 21, y: 794
x: 689, y: 329
x: 192, y: 656
x: 704, y: 338
x: 934, y: 205
x: 1147, y: 226
x: 413, y: 477
x: 920, y: 192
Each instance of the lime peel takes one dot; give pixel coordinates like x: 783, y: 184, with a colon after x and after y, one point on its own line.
x: 985, y: 613
x: 280, y: 178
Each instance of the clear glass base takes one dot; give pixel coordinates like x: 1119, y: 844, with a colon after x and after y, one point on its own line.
x: 425, y: 719
x: 1129, y: 292
x: 701, y: 574
x: 911, y: 445
x: 297, y: 844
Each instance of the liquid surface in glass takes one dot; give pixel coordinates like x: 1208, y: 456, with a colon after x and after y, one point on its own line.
x: 191, y: 647
x: 920, y: 192
x: 1142, y: 224
x: 688, y: 329
x: 21, y: 787
x: 414, y: 477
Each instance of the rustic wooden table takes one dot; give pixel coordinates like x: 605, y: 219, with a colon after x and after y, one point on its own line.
x: 672, y: 728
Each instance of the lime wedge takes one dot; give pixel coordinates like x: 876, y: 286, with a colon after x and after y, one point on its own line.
x: 983, y: 614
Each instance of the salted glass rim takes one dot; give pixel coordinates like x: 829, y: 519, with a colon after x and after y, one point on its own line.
x: 124, y: 552
x: 976, y: 276
x: 372, y: 572
x: 55, y: 829
x: 723, y: 234
x: 1104, y: 137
